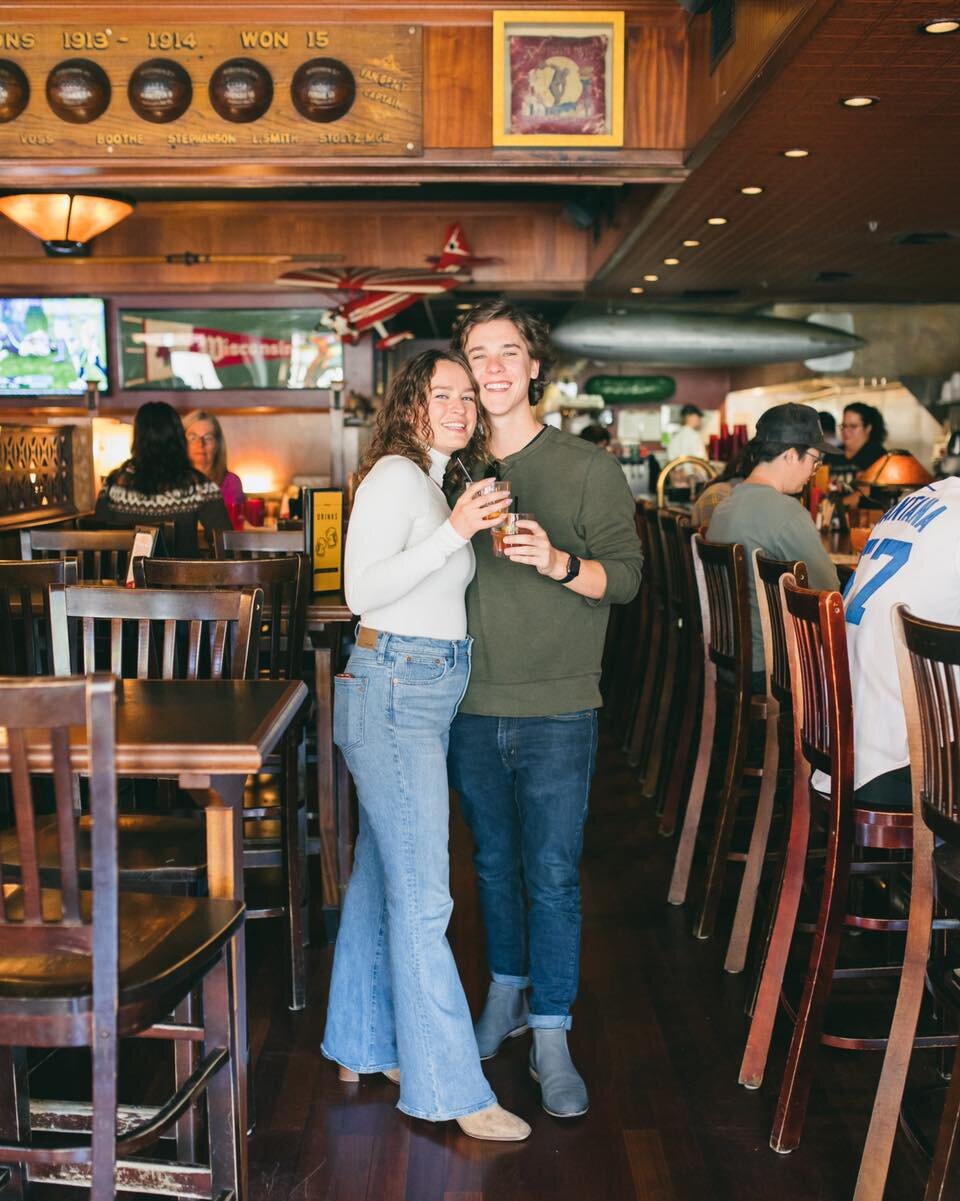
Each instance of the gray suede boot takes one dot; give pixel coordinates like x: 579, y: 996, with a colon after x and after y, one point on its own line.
x: 562, y: 1091
x: 504, y: 1016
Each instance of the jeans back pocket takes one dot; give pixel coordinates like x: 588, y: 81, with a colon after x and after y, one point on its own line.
x: 349, y: 699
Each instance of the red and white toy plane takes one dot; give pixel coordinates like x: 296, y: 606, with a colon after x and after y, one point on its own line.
x: 383, y: 294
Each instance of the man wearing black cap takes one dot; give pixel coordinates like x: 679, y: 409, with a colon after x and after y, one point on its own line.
x: 763, y: 512
x: 687, y: 440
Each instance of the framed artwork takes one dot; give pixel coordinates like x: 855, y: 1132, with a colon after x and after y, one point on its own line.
x: 558, y: 78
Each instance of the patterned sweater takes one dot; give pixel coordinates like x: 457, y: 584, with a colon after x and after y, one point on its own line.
x: 120, y: 504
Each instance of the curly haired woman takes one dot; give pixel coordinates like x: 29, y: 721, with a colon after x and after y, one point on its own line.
x: 396, y: 1000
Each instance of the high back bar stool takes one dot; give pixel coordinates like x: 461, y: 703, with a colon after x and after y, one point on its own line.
x: 256, y: 543
x: 725, y: 615
x: 823, y: 740
x: 673, y: 665
x: 689, y: 699
x: 779, y: 706
x: 100, y: 554
x: 630, y: 651
x: 641, y: 728
x: 81, y: 968
x: 928, y: 661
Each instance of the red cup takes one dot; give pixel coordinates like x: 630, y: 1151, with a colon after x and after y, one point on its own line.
x: 254, y: 510
x: 235, y: 513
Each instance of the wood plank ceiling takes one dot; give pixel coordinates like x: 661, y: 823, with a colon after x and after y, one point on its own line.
x: 873, y: 176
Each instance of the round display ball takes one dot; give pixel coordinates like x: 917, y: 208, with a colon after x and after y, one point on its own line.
x: 323, y: 89
x: 160, y: 90
x: 78, y: 91
x: 241, y: 90
x: 14, y: 91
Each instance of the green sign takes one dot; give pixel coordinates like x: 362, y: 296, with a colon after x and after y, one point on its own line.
x: 631, y: 389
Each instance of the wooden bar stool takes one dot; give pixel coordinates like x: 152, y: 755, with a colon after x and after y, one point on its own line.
x: 100, y: 554
x: 823, y: 740
x: 779, y: 707
x: 82, y: 968
x: 641, y: 729
x: 725, y: 616
x: 928, y: 659
x: 690, y: 696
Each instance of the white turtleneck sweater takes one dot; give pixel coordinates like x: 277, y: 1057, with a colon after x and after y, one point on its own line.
x: 406, y: 568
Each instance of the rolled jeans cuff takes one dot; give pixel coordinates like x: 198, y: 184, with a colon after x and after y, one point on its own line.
x: 549, y: 1021
x: 511, y: 981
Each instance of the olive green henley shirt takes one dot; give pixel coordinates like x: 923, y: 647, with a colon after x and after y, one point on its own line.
x: 537, y: 645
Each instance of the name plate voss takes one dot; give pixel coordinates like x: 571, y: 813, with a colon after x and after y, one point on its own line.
x: 210, y: 91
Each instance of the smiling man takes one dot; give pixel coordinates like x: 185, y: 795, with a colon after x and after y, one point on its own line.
x: 523, y: 746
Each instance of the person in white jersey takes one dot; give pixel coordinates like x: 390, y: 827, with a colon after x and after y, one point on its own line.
x: 911, y: 558
x: 396, y: 1001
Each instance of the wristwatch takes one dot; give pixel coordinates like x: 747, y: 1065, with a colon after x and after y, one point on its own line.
x: 573, y: 570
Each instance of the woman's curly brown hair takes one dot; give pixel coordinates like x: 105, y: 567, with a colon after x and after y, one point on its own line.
x: 403, y: 424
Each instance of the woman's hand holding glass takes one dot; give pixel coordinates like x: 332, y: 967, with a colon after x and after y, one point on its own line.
x: 479, y: 504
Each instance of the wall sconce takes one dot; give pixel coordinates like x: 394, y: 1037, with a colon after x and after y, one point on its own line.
x: 66, y: 222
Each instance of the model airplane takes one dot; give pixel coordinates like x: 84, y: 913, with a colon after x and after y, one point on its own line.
x: 681, y: 339
x: 383, y: 294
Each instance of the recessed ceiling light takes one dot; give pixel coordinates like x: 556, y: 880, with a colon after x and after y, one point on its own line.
x: 943, y: 25
x: 638, y: 291
x: 464, y: 307
x: 858, y: 101
x: 671, y: 262
x: 796, y: 152
x: 716, y: 220
x: 691, y: 242
x: 651, y: 279
x: 751, y: 190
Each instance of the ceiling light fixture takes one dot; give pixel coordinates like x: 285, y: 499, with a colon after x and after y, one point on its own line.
x: 651, y: 279
x: 858, y: 101
x: 716, y: 220
x: 941, y: 25
x: 638, y: 291
x: 796, y: 152
x: 691, y: 242
x: 752, y: 190
x: 671, y: 262
x: 65, y: 222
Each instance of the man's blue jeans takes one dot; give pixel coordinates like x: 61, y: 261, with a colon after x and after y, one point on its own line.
x: 524, y: 784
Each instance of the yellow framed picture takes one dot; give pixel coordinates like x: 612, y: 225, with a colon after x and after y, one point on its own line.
x: 558, y: 78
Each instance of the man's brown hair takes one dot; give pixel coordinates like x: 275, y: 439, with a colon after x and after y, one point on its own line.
x: 534, y: 331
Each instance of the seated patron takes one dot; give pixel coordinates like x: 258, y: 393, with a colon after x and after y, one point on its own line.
x: 207, y: 449
x: 763, y: 511
x: 912, y: 558
x: 157, y: 483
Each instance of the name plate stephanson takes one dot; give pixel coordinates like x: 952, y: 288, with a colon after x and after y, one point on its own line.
x: 210, y: 91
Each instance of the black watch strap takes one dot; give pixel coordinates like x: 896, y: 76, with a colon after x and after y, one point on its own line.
x: 573, y: 570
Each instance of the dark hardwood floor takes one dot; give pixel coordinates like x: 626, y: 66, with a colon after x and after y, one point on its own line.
x: 659, y: 1030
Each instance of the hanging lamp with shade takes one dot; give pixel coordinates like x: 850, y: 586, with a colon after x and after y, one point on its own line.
x: 65, y: 222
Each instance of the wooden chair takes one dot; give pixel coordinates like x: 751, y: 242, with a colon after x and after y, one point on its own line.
x: 721, y: 574
x: 823, y: 740
x: 256, y: 544
x: 81, y: 968
x: 276, y: 655
x: 779, y: 708
x: 928, y: 659
x: 25, y: 613
x: 100, y: 554
x: 627, y: 647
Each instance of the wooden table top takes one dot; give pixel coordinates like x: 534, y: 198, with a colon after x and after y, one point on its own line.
x: 172, y: 727
x: 327, y: 606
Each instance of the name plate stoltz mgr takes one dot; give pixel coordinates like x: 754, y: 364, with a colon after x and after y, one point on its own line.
x: 323, y: 530
x: 102, y: 91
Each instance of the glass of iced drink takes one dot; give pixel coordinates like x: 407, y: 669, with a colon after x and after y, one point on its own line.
x: 510, y: 524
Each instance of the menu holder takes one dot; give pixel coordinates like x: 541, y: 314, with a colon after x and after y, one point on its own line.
x: 323, y: 512
x: 144, y: 544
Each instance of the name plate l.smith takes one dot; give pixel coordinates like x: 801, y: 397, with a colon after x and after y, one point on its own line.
x: 194, y: 90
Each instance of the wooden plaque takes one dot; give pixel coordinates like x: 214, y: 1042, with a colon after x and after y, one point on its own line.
x: 194, y: 90
x: 323, y: 531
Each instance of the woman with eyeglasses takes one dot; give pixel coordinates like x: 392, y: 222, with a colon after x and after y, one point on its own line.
x: 862, y: 434
x: 207, y: 449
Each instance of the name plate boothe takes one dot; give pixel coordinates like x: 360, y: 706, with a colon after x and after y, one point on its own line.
x: 323, y: 524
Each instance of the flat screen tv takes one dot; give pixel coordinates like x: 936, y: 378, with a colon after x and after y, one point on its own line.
x: 52, y: 345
